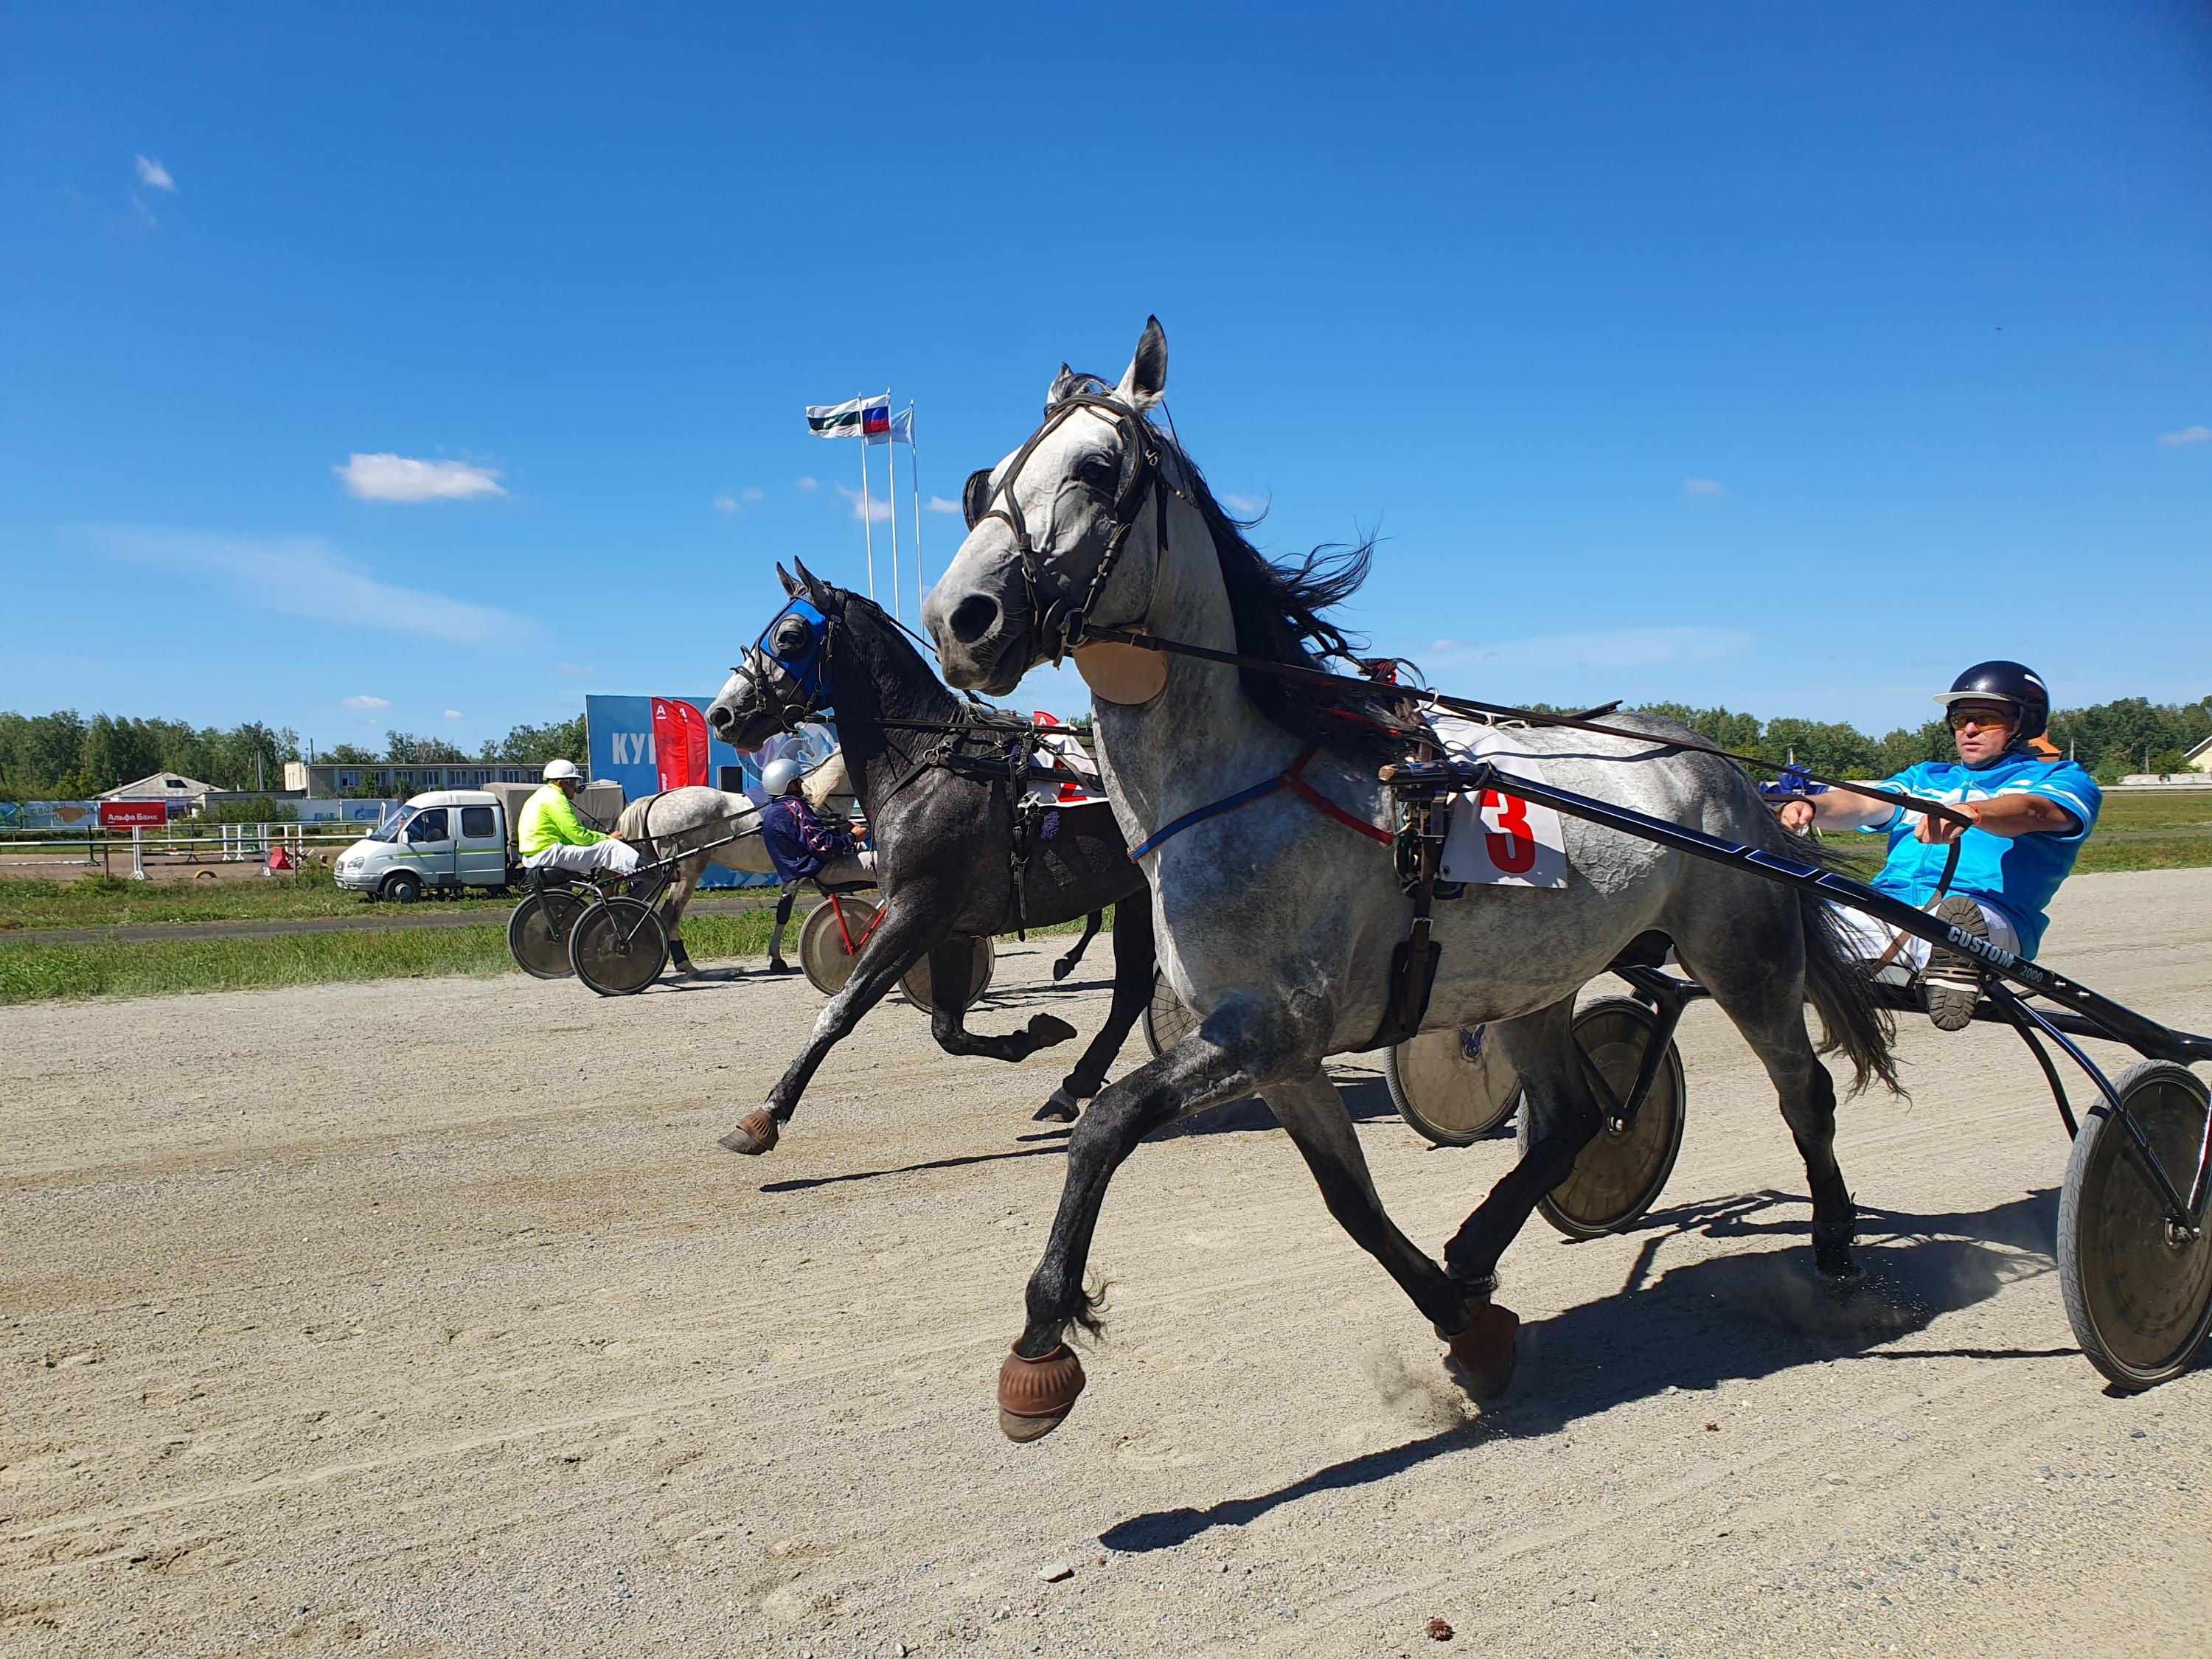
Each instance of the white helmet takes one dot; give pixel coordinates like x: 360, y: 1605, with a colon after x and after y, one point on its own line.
x: 561, y: 771
x: 778, y: 775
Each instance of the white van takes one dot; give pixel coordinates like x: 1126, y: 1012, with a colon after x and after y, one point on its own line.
x: 449, y: 839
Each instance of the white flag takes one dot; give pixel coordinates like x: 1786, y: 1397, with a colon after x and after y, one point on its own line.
x: 869, y: 417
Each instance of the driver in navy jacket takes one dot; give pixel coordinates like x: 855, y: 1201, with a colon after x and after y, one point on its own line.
x: 2031, y: 815
x: 798, y: 843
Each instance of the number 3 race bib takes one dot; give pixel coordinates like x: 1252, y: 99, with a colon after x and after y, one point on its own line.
x: 1500, y: 840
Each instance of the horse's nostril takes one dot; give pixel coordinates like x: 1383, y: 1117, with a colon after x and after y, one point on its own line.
x: 972, y: 617
x: 719, y: 718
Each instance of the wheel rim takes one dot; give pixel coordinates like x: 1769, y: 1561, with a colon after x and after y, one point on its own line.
x: 1167, y: 1021
x: 537, y: 935
x: 1451, y: 1087
x: 982, y: 962
x: 822, y: 942
x: 2139, y: 1294
x: 618, y: 947
x: 1619, y: 1175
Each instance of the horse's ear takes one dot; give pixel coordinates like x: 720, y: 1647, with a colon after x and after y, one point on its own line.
x: 1066, y: 381
x: 816, y: 589
x: 976, y: 496
x: 1147, y: 379
x: 790, y: 582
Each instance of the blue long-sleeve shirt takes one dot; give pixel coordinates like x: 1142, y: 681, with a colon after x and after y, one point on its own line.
x: 799, y: 844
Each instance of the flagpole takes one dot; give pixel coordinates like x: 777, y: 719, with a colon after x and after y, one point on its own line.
x: 891, y: 495
x: 867, y: 511
x: 914, y: 477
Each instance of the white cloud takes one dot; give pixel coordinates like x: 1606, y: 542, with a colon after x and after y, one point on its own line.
x: 154, y: 176
x: 1616, y: 648
x: 938, y: 504
x: 1700, y: 487
x: 726, y: 503
x: 756, y: 494
x: 453, y: 713
x: 302, y: 576
x: 1245, y: 506
x: 402, y: 478
x: 575, y: 670
x: 364, y: 702
x: 2188, y: 434
x: 810, y: 483
x: 866, y: 511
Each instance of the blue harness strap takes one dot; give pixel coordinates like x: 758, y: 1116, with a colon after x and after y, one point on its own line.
x: 1227, y: 804
x: 1292, y: 777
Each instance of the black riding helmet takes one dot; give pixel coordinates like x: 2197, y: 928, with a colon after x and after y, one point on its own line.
x: 2004, y: 682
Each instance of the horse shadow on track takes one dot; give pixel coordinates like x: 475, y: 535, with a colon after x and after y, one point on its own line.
x: 1734, y: 1318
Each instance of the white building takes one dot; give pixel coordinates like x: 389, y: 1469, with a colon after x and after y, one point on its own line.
x: 163, y: 786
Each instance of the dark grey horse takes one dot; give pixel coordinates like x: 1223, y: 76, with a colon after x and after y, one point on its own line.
x: 939, y: 779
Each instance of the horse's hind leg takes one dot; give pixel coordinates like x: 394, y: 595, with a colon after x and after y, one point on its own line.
x: 1065, y: 965
x: 952, y: 961
x: 672, y: 904
x: 1134, y: 957
x: 776, y: 964
x: 1757, y: 979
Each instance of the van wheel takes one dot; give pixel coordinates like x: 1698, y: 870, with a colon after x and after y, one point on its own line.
x: 402, y: 887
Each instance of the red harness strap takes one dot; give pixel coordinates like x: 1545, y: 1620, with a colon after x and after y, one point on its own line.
x: 1295, y: 779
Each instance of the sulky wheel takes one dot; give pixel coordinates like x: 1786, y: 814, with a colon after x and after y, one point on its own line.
x: 1167, y: 1021
x: 1451, y: 1087
x: 618, y: 947
x: 984, y: 963
x: 822, y: 950
x: 1619, y: 1174
x: 537, y: 935
x: 2138, y: 1290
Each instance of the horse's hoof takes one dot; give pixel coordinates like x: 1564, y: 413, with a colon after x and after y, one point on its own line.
x: 756, y: 1133
x: 1061, y: 970
x: 780, y: 968
x: 1047, y: 1030
x: 1036, y: 1395
x: 1483, y: 1356
x: 1062, y: 1108
x: 1838, y: 1280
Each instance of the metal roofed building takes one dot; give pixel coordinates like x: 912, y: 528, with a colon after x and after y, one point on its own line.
x: 399, y: 779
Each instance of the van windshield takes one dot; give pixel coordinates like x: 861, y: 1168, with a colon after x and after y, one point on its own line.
x: 394, y: 827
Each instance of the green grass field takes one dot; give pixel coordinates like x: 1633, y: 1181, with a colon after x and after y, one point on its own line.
x: 115, y: 903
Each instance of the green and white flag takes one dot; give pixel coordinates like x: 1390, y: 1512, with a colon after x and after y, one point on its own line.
x: 862, y: 417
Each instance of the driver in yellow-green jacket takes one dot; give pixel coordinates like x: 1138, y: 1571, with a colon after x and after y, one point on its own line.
x: 551, y: 837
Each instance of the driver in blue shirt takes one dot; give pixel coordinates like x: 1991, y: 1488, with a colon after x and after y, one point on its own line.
x: 2031, y: 815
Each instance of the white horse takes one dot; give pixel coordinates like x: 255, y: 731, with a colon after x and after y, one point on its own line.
x: 1278, y: 923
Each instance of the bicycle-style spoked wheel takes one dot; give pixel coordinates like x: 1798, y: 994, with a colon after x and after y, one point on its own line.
x: 538, y: 933
x: 1167, y: 1021
x: 985, y: 962
x: 618, y: 947
x: 2138, y: 1289
x: 1450, y: 1085
x: 827, y: 945
x: 1618, y: 1176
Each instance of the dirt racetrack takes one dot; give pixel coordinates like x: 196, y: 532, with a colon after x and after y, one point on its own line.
x: 425, y: 1317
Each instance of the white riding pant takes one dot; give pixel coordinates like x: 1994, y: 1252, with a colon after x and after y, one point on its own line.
x: 853, y: 866
x: 616, y: 857
x: 1866, y: 939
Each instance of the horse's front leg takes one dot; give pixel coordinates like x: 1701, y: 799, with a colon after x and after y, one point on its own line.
x: 1134, y: 957
x: 1039, y: 1382
x: 776, y: 964
x: 952, y: 963
x: 672, y: 904
x: 913, y: 921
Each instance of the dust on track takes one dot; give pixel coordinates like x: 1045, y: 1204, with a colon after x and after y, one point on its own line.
x: 423, y: 1316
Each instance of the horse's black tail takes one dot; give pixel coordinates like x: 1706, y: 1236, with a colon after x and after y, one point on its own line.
x: 1851, y: 1021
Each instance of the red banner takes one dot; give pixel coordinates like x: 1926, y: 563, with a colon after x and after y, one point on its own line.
x: 133, y: 814
x: 679, y: 743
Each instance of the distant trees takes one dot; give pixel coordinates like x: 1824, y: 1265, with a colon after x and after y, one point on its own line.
x: 64, y: 756
x: 560, y: 740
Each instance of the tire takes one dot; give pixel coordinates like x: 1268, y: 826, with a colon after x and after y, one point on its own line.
x: 2139, y: 1298
x: 1166, y: 1021
x: 1617, y: 1177
x: 401, y: 887
x: 822, y: 942
x: 915, y: 981
x: 537, y: 935
x: 618, y: 947
x: 1450, y: 1087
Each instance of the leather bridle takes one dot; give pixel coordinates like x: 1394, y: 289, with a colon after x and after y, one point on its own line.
x: 1060, y: 615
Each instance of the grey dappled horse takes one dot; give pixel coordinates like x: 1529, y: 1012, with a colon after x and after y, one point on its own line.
x: 943, y: 839
x: 663, y: 825
x: 1277, y: 925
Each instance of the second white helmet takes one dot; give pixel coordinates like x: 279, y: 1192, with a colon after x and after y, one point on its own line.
x: 778, y: 775
x: 557, y: 771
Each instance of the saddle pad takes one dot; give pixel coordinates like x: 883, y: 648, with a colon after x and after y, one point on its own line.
x: 1075, y: 780
x: 1499, y: 840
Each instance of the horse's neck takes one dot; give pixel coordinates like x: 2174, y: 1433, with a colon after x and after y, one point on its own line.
x: 893, y: 684
x: 1202, y: 737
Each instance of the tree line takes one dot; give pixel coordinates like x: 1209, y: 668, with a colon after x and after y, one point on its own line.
x: 63, y: 755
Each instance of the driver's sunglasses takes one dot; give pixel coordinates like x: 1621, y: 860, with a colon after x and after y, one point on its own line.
x: 1961, y: 719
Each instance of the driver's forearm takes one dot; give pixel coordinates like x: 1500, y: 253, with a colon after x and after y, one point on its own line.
x: 1842, y: 809
x: 2022, y: 815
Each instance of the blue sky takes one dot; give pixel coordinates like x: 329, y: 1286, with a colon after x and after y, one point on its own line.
x: 1780, y: 355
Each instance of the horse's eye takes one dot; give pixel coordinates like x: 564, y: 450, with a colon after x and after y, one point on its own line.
x: 1099, y: 472
x: 792, y: 636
